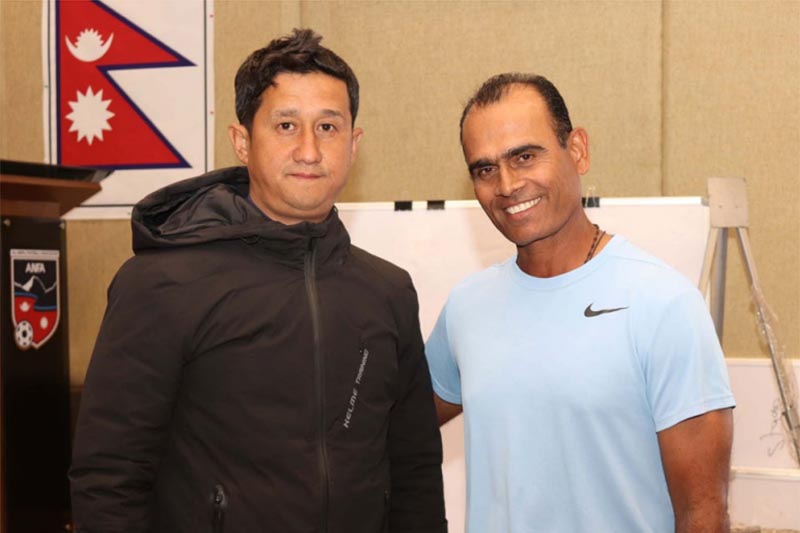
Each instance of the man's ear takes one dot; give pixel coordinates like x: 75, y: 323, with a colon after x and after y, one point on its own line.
x: 578, y: 146
x: 240, y: 140
x: 357, y: 134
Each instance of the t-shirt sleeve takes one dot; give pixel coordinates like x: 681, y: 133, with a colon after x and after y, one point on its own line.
x: 685, y: 369
x: 445, y: 376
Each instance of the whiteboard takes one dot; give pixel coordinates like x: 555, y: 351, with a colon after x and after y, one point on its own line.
x: 441, y: 247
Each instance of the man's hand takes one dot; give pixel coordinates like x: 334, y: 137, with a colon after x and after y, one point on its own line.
x: 696, y: 455
x: 445, y: 411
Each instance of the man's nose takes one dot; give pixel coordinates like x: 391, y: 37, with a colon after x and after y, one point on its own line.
x: 307, y: 149
x: 507, y: 181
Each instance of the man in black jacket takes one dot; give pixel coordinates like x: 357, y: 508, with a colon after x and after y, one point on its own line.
x: 254, y: 370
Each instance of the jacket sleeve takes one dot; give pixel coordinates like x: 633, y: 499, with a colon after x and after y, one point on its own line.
x: 126, y: 403
x: 415, y: 444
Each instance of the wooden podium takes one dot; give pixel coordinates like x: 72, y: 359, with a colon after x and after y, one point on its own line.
x: 34, y: 357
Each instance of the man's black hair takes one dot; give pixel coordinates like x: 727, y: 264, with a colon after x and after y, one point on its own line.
x: 299, y: 52
x: 497, y: 86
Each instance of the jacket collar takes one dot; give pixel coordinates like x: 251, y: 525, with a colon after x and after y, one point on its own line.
x: 214, y: 207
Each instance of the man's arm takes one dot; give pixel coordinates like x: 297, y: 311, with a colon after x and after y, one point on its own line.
x: 696, y: 455
x: 126, y: 406
x: 414, y: 442
x: 445, y: 411
x: 444, y: 371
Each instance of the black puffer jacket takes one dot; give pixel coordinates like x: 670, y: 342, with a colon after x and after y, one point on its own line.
x: 255, y: 377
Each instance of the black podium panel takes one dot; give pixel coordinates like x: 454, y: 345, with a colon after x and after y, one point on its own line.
x: 34, y: 375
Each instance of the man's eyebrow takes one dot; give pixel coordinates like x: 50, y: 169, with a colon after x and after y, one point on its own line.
x: 291, y: 112
x: 285, y: 113
x: 332, y: 113
x: 517, y: 150
x: 479, y: 164
x: 508, y: 154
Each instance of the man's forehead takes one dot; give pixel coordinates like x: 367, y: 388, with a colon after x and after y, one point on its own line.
x: 513, y: 120
x: 293, y: 93
x: 516, y: 99
x: 310, y: 75
x: 313, y: 82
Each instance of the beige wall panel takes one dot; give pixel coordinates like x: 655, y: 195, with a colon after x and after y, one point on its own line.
x: 417, y: 69
x: 21, y: 129
x: 240, y: 28
x: 95, y: 251
x: 732, y: 108
x: 418, y: 62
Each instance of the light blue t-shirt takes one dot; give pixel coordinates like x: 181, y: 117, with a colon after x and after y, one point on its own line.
x: 564, y: 383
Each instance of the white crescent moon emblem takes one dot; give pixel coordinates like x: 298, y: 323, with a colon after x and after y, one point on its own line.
x: 88, y: 52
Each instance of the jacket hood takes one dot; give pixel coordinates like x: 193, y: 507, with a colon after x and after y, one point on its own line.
x: 214, y: 207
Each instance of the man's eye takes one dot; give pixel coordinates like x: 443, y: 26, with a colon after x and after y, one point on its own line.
x: 483, y: 172
x: 327, y: 127
x: 285, y: 126
x: 525, y: 157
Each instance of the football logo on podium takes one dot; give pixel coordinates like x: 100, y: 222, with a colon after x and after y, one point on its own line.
x: 35, y: 306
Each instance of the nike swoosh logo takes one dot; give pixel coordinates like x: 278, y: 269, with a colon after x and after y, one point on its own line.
x: 589, y: 312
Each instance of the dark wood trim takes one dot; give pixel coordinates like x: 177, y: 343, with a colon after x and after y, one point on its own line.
x: 21, y: 195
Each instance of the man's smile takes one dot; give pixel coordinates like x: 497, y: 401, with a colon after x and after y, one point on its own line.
x: 519, y: 208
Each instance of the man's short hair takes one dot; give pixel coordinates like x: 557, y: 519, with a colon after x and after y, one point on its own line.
x: 299, y: 52
x: 497, y: 86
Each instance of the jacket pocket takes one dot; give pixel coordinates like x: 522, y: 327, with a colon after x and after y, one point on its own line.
x: 219, y: 503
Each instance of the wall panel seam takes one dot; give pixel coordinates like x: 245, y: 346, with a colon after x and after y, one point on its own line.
x: 663, y: 101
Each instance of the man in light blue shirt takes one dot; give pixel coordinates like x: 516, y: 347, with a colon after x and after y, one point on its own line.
x: 594, y: 389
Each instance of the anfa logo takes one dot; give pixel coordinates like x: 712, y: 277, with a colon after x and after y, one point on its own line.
x: 35, y: 301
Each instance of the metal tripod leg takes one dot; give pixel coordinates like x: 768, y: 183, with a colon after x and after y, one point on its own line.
x: 716, y: 254
x: 789, y: 409
x: 708, y: 259
x: 727, y: 201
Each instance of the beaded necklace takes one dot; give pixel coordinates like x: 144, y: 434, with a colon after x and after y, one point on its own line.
x: 598, y: 235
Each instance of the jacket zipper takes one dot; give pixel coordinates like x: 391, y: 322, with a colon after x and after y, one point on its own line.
x: 219, y: 502
x: 319, y: 368
x: 386, y: 504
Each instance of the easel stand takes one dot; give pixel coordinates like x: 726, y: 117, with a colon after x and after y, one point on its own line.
x: 727, y: 200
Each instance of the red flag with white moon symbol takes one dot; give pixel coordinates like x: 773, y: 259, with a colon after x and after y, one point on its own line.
x: 129, y: 87
x: 100, y: 125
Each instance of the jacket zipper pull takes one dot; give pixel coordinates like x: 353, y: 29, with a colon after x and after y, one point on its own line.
x: 219, y: 502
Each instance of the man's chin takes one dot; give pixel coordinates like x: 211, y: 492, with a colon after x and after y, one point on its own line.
x: 516, y: 235
x: 312, y: 213
x: 522, y: 240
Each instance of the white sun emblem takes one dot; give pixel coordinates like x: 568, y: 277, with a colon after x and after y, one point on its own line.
x: 90, y: 115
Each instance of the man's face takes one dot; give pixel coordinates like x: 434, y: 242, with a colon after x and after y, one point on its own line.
x: 526, y: 182
x: 299, y: 148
